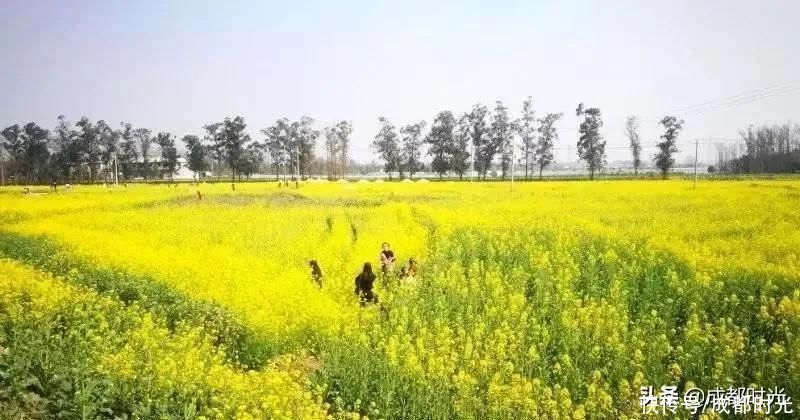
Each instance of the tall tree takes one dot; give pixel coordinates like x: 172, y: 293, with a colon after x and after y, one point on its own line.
x: 459, y: 155
x: 387, y: 145
x: 591, y: 146
x: 13, y: 143
x: 502, y: 134
x: 27, y: 147
x: 213, y: 147
x: 89, y: 146
x: 331, y: 151
x: 108, y: 139
x: 128, y: 155
x: 543, y: 156
x: 667, y: 146
x: 343, y: 131
x: 480, y: 135
x: 634, y: 141
x: 169, y: 154
x: 442, y: 142
x: 526, y: 129
x: 144, y: 141
x: 277, y: 142
x: 195, y: 154
x: 232, y: 142
x: 411, y: 150
x: 36, y: 152
x: 66, y: 152
x: 307, y: 143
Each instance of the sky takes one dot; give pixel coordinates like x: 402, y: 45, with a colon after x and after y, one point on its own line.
x: 176, y: 66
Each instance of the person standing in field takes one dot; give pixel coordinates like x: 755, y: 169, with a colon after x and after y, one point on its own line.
x: 387, y: 258
x: 364, y: 282
x: 316, y: 273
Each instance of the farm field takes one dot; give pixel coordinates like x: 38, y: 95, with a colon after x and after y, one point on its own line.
x: 555, y: 300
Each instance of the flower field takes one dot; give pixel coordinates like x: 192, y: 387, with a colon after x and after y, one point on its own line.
x: 554, y: 300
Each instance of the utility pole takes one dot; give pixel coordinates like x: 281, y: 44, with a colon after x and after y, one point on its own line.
x: 696, y: 145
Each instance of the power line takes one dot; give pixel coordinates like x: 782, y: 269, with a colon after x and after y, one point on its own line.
x: 716, y: 102
x: 746, y: 100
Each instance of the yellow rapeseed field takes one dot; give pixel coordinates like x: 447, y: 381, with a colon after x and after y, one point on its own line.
x: 551, y: 300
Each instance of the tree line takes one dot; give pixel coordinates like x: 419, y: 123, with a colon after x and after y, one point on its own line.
x: 89, y: 151
x: 766, y: 148
x: 481, y: 139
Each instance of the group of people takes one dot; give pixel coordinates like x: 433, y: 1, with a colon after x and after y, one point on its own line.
x: 365, y: 280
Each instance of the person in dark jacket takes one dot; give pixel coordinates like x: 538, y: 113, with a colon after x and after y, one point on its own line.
x: 387, y: 258
x: 316, y: 273
x: 364, y: 283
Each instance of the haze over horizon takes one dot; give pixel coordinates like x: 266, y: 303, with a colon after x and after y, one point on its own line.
x: 177, y: 66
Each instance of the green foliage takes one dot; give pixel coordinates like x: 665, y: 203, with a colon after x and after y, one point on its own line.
x: 667, y: 146
x: 591, y: 146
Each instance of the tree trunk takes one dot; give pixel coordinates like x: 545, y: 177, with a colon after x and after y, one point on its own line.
x: 526, y: 164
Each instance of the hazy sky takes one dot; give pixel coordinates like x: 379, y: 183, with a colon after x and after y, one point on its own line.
x: 177, y: 66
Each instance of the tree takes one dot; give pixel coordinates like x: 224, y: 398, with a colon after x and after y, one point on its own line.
x: 667, y: 147
x: 213, y: 142
x: 331, y: 151
x: 527, y: 133
x: 387, y: 145
x: 338, y: 145
x: 66, y: 151
x: 13, y: 144
x: 411, y: 150
x: 108, y: 140
x: 277, y: 143
x: 232, y: 142
x: 89, y: 146
x: 35, y: 151
x: 634, y: 142
x: 128, y: 154
x: 144, y: 141
x: 502, y: 138
x: 343, y: 131
x: 591, y: 146
x: 481, y: 139
x: 169, y: 154
x: 307, y: 142
x: 251, y: 159
x: 459, y: 155
x: 543, y: 155
x: 441, y: 142
x: 195, y: 154
x: 28, y: 148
